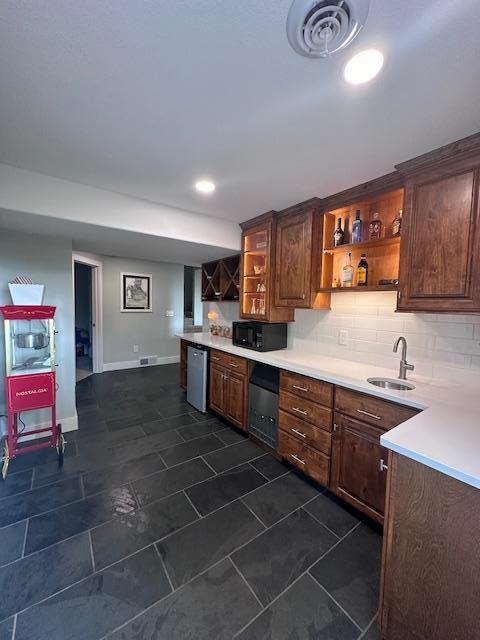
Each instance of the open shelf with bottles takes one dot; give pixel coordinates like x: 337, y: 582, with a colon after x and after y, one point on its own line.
x: 382, y: 252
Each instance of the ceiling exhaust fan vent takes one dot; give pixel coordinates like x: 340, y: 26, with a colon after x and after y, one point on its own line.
x: 318, y: 29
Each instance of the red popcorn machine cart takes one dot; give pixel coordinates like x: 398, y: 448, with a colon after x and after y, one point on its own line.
x: 30, y: 379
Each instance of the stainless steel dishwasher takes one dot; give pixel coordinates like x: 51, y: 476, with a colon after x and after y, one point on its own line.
x: 197, y: 377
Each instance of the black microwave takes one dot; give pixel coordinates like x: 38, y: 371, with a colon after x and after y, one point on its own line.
x: 261, y: 336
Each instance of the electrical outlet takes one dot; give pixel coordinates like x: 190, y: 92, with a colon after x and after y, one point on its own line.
x: 135, y: 348
x: 169, y: 313
x: 343, y: 337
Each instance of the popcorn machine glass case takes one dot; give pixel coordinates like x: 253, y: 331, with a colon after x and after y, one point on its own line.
x: 29, y: 340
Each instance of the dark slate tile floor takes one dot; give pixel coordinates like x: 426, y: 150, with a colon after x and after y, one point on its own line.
x: 165, y: 523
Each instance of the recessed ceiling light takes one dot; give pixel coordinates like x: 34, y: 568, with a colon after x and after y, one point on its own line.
x: 205, y: 186
x: 363, y: 66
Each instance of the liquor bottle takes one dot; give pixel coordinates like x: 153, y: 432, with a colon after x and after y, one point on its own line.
x: 362, y: 271
x: 347, y: 272
x: 375, y: 227
x: 397, y: 224
x: 338, y: 235
x: 357, y: 228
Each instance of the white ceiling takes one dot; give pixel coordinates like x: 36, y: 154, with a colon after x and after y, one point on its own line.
x: 145, y: 97
x: 111, y: 242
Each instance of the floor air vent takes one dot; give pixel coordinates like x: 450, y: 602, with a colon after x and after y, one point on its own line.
x: 318, y: 29
x: 148, y: 360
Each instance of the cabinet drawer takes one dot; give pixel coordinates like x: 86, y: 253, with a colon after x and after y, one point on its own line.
x: 379, y: 413
x: 314, y: 390
x: 230, y: 362
x: 306, y: 433
x: 317, y: 415
x: 312, y: 462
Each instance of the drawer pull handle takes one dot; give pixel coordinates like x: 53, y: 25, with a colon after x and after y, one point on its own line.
x: 370, y: 415
x: 299, y: 433
x: 383, y: 466
x: 304, y: 413
x: 297, y: 458
x: 232, y: 364
x: 215, y: 358
x: 295, y: 386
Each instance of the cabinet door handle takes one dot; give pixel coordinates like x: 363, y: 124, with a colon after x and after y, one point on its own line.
x: 335, y: 427
x: 297, y: 458
x: 295, y: 386
x: 304, y: 413
x: 299, y: 433
x: 370, y: 415
x: 383, y: 466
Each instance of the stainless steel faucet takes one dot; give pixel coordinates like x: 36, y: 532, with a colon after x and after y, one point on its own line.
x: 404, y: 366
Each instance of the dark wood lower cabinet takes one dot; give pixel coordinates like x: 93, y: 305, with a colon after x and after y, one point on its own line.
x: 359, y: 465
x: 229, y: 395
x: 313, y: 463
x: 183, y: 363
x: 431, y: 556
x: 236, y: 403
x: 217, y: 388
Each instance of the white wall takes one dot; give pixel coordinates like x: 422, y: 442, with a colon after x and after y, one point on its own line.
x: 440, y: 346
x: 50, y: 263
x: 154, y: 333
x: 227, y: 313
x: 27, y: 191
x: 197, y: 298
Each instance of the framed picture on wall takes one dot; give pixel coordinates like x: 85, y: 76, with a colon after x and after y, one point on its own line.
x: 135, y: 292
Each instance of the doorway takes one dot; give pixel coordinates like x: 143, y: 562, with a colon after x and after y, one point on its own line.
x: 192, y: 299
x: 87, y: 287
x: 83, y: 321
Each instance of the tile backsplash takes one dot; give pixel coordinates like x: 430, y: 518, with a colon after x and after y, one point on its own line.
x: 440, y: 346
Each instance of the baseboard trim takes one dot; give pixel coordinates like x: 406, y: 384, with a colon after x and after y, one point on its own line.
x: 68, y: 424
x: 135, y: 364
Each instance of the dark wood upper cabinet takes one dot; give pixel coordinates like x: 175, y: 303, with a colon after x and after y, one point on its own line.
x: 298, y: 258
x: 257, y: 271
x: 440, y: 250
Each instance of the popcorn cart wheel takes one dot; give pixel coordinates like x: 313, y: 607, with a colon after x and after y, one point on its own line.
x: 60, y: 445
x: 5, y: 458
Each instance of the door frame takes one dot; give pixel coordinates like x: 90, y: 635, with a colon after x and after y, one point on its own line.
x: 97, y: 300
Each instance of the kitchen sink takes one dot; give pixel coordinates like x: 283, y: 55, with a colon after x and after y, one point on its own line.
x: 392, y: 383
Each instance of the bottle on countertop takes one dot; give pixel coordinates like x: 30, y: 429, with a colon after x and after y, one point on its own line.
x: 375, y: 227
x: 397, y: 224
x: 362, y: 271
x: 347, y: 272
x: 357, y: 228
x: 338, y: 235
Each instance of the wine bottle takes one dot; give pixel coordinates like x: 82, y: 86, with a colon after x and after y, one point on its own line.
x: 347, y: 272
x: 375, y: 227
x: 397, y: 224
x: 338, y: 235
x: 362, y: 271
x: 357, y: 228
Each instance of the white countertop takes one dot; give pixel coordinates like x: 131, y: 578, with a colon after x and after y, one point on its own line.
x: 444, y: 436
